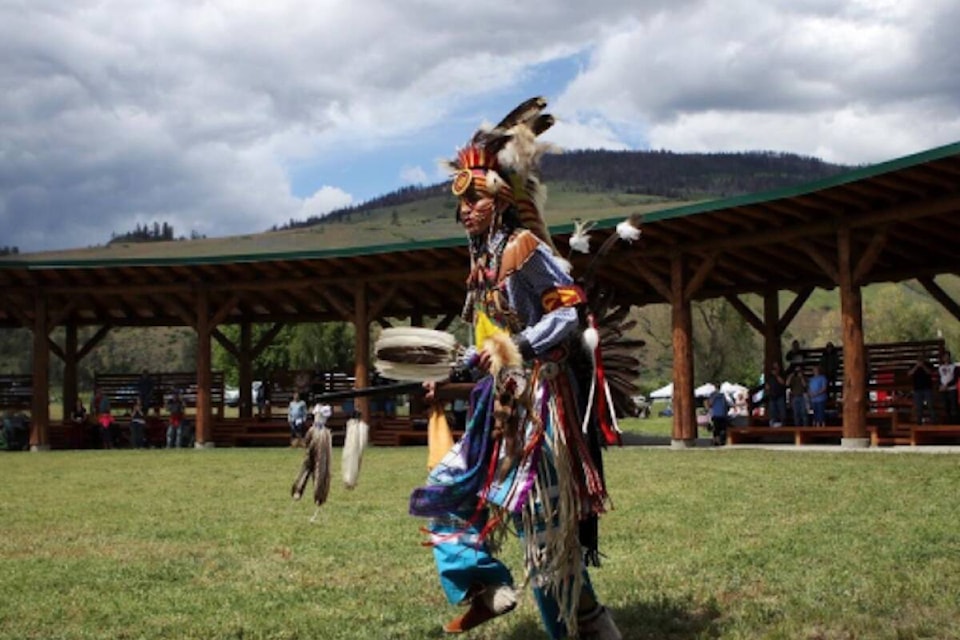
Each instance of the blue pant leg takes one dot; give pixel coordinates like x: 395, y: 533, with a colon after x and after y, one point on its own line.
x: 550, y: 610
x: 464, y: 561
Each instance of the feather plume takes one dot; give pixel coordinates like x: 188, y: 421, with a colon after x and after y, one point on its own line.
x: 318, y: 451
x: 354, y: 443
x: 503, y: 353
x: 580, y: 239
x: 322, y: 443
x: 415, y: 354
x: 627, y: 231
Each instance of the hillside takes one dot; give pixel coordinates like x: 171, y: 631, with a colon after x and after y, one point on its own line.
x: 604, y: 180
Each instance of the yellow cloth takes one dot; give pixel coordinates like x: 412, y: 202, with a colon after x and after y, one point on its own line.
x: 439, y: 438
x: 483, y: 328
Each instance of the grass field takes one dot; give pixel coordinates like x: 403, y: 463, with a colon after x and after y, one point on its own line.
x: 700, y: 544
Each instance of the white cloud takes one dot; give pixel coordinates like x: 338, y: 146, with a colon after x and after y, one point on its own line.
x: 201, y: 114
x: 414, y: 175
x: 324, y: 201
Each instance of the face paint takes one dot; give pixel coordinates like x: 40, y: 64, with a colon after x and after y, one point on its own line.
x: 477, y: 216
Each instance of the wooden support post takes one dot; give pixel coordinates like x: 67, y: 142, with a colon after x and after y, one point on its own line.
x: 70, y: 363
x: 40, y: 407
x: 684, y: 411
x: 772, y: 351
x: 245, y: 371
x: 204, y: 422
x: 854, y: 363
x: 361, y: 323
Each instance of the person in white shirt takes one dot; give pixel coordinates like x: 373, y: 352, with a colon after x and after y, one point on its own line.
x: 948, y: 386
x: 297, y: 417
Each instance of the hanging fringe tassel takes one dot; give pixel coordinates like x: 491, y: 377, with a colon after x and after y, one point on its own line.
x: 605, y: 411
x: 323, y: 443
x: 354, y: 444
x: 439, y: 437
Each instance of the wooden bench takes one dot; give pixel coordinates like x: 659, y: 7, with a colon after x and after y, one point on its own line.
x: 266, y: 432
x: 16, y: 391
x: 783, y: 435
x: 934, y: 434
x: 123, y: 389
x: 741, y: 435
x: 885, y: 429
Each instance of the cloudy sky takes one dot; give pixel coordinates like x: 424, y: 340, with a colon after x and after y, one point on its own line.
x: 228, y: 117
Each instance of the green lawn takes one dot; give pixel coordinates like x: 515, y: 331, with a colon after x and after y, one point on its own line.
x: 700, y: 544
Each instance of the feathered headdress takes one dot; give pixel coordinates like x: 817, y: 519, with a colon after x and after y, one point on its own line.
x: 503, y: 162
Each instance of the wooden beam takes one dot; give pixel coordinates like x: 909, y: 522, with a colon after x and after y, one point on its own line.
x: 654, y: 280
x: 40, y: 402
x: 55, y: 349
x: 445, y: 321
x: 854, y: 362
x: 224, y: 311
x: 266, y: 339
x: 94, y: 340
x: 793, y: 309
x: 684, y: 412
x: 805, y: 229
x: 185, y: 314
x: 204, y: 416
x: 870, y: 255
x: 225, y: 342
x: 61, y: 314
x: 694, y: 284
x: 772, y: 350
x: 383, y: 301
x: 361, y: 351
x: 346, y: 313
x: 822, y: 261
x: 745, y: 312
x: 17, y: 313
x: 941, y: 296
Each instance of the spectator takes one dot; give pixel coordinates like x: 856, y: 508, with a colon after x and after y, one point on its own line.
x: 817, y: 388
x: 797, y: 383
x: 145, y: 388
x: 16, y: 432
x: 776, y: 391
x: 795, y: 355
x: 297, y: 418
x: 138, y: 423
x: 947, y: 371
x: 740, y: 416
x: 101, y: 404
x: 78, y: 422
x: 830, y: 366
x: 922, y: 376
x: 719, y: 408
x: 175, y: 425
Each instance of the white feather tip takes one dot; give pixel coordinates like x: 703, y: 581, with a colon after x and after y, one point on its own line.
x: 627, y: 231
x: 580, y: 239
x: 591, y: 338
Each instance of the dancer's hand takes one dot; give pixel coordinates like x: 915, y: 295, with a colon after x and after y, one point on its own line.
x: 429, y: 391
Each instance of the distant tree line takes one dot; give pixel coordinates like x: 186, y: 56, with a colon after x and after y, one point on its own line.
x: 683, y: 175
x: 157, y: 232
x: 9, y: 251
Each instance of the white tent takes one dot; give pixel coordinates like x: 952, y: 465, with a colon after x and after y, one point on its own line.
x: 704, y: 390
x: 662, y: 393
x: 731, y: 390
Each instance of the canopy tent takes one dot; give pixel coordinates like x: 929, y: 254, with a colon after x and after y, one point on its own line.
x: 663, y: 393
x: 732, y: 390
x: 704, y: 390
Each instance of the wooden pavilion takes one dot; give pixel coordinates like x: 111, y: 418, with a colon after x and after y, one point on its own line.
x: 883, y: 223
